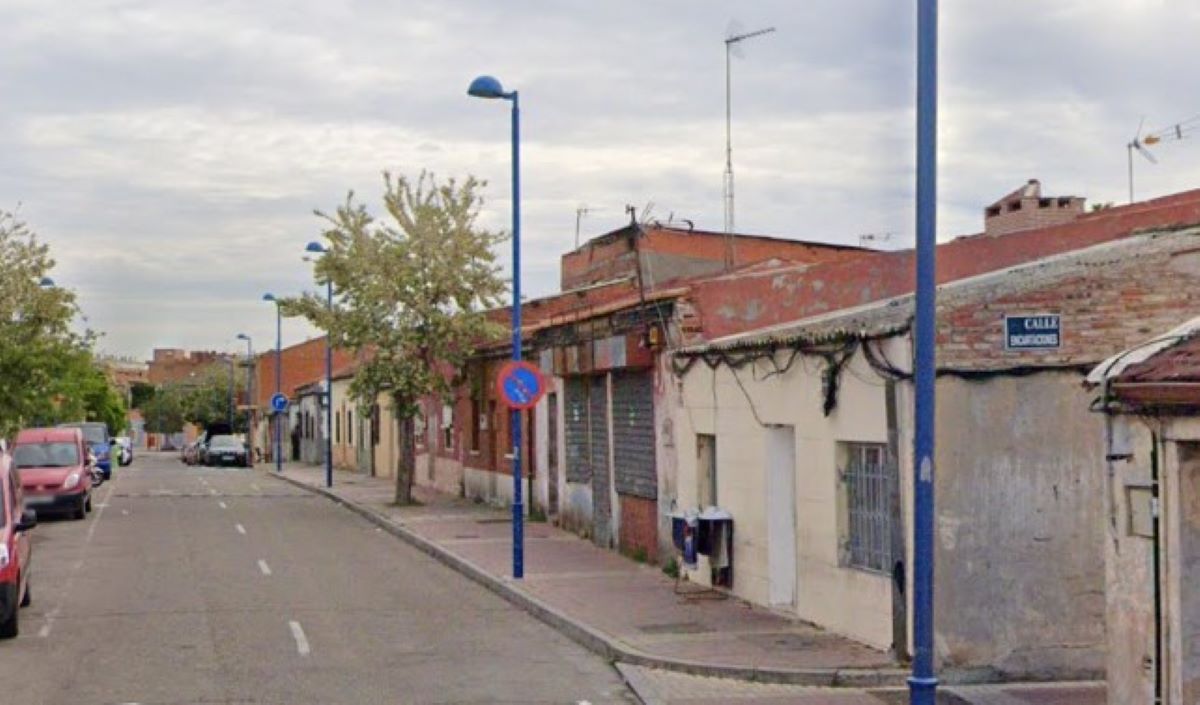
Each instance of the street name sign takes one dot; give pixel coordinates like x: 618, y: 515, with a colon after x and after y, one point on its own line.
x: 1036, y: 332
x: 520, y: 385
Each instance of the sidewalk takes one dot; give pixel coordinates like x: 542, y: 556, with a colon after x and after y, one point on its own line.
x: 671, y: 650
x: 656, y: 687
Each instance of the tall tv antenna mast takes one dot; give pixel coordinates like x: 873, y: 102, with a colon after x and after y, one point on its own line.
x: 1140, y: 142
x: 733, y: 37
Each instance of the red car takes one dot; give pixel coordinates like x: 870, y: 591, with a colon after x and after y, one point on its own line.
x: 53, y: 465
x: 15, y: 523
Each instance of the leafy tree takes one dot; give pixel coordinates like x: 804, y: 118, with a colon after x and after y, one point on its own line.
x: 163, y: 411
x: 40, y: 357
x: 83, y: 392
x: 206, y: 396
x: 411, y: 290
x: 140, y: 393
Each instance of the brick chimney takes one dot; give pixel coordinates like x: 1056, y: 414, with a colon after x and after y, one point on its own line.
x: 1026, y: 209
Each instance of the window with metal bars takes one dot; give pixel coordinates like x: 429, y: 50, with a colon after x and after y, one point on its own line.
x: 866, y: 535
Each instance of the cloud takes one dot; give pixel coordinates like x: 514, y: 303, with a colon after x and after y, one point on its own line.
x: 172, y: 151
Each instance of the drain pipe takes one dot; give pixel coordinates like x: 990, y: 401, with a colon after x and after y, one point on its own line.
x: 1155, y: 522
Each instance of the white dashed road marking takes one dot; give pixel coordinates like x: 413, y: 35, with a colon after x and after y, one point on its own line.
x: 262, y: 565
x: 301, y: 640
x: 75, y: 568
x: 222, y: 505
x: 241, y: 529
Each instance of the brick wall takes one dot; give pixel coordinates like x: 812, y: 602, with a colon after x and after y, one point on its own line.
x: 682, y: 253
x: 748, y: 301
x: 177, y: 365
x: 302, y: 364
x: 639, y: 526
x: 1108, y: 299
x: 1034, y: 213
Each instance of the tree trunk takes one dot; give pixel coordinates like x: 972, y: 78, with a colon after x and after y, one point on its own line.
x: 406, y: 462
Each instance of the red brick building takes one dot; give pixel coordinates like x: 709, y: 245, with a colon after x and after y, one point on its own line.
x: 599, y: 341
x: 664, y: 254
x: 176, y: 365
x: 303, y: 363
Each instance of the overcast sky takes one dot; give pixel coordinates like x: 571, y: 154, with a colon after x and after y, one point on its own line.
x: 172, y: 152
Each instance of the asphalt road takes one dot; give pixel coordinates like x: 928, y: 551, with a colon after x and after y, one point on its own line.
x: 190, y: 585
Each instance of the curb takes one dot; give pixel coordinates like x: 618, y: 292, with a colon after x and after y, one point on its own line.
x: 602, y: 644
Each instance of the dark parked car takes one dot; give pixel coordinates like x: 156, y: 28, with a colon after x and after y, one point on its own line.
x: 226, y: 450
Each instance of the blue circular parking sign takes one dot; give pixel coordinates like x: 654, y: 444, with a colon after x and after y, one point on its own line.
x: 520, y: 385
x: 279, y: 403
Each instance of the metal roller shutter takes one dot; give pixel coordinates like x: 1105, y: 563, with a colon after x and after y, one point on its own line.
x: 598, y: 440
x: 633, y: 434
x: 575, y: 428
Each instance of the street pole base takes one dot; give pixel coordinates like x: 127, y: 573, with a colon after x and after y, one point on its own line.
x: 923, y: 691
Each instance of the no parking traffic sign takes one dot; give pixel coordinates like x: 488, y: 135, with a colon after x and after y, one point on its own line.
x: 520, y: 385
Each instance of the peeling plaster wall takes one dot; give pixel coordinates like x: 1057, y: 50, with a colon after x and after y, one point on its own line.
x: 1129, y: 575
x: 575, y: 513
x: 495, y: 488
x: 1020, y: 571
x: 1183, y: 565
x: 668, y: 404
x: 1130, y: 568
x: 849, y: 601
x: 1019, y: 559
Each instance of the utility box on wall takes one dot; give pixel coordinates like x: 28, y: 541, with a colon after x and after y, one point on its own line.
x: 1139, y: 511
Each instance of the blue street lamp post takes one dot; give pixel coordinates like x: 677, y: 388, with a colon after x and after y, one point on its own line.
x: 923, y: 682
x: 318, y: 248
x: 489, y: 87
x: 278, y: 377
x: 249, y: 388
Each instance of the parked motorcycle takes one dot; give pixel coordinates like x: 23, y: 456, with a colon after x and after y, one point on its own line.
x: 94, y: 470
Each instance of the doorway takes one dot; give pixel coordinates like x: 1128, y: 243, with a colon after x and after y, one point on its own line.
x: 552, y: 453
x: 1189, y: 554
x: 781, y: 516
x: 598, y: 460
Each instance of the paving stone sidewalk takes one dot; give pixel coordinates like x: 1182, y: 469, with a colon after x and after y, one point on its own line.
x: 657, y: 687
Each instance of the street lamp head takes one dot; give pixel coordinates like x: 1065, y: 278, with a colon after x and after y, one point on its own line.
x: 46, y: 283
x: 243, y: 336
x: 315, y: 247
x: 487, y: 87
x: 268, y: 297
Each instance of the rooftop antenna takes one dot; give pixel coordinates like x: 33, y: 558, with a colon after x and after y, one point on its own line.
x: 580, y: 211
x: 734, y: 36
x: 866, y: 238
x: 1139, y: 143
